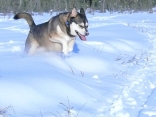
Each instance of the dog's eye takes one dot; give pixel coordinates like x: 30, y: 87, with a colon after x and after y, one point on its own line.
x: 81, y: 26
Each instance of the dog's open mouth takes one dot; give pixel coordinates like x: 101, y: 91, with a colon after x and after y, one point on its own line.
x: 82, y: 37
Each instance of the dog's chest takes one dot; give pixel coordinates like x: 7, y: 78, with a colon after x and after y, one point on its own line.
x: 66, y: 37
x: 63, y: 35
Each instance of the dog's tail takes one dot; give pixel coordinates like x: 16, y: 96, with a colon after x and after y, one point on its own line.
x: 27, y: 17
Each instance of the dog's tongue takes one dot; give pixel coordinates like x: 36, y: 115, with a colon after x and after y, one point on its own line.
x: 83, y: 38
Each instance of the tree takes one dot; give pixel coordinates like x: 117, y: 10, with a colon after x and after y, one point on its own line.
x: 66, y: 5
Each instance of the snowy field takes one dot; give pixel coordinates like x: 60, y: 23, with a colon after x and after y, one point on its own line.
x: 112, y: 74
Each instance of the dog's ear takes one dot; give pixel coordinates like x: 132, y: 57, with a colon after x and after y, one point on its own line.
x: 74, y: 12
x: 82, y: 11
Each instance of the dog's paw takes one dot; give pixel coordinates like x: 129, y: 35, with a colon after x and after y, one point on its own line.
x: 66, y: 56
x: 65, y: 51
x: 70, y: 49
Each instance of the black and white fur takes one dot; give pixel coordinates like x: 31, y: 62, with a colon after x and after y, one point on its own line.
x: 58, y: 34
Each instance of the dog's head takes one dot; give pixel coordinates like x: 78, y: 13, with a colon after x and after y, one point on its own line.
x: 78, y: 24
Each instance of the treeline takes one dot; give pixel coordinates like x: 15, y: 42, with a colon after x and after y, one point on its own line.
x: 41, y: 6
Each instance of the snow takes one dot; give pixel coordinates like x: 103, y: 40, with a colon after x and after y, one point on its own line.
x: 112, y: 74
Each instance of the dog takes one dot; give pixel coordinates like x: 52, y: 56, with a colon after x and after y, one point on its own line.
x: 58, y: 34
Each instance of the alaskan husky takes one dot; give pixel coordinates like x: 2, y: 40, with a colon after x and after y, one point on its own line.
x: 58, y: 34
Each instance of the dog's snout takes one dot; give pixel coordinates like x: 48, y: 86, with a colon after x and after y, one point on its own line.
x: 87, y: 33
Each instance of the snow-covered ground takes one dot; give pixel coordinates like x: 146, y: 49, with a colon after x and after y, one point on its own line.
x: 112, y: 74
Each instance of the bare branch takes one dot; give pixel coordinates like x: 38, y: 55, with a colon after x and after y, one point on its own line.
x: 71, y: 70
x: 80, y: 109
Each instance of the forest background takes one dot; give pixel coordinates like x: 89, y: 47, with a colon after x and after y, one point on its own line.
x: 40, y: 6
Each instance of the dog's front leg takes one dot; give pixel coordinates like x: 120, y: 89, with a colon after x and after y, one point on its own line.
x: 71, y: 44
x: 65, y: 47
x: 63, y: 43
